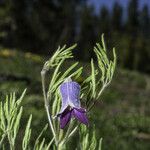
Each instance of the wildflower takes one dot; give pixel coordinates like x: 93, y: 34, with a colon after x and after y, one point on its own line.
x: 71, y: 107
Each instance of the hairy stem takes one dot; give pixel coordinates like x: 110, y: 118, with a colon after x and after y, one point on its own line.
x: 43, y: 73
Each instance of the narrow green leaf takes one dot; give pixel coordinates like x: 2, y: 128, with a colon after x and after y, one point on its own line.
x: 50, y: 143
x: 21, y: 97
x: 17, y: 123
x: 66, y: 73
x: 42, y: 144
x: 103, y: 42
x: 2, y: 118
x: 53, y: 80
x: 93, y: 78
x: 38, y: 138
x: 27, y: 135
x: 100, y: 144
x: 93, y: 141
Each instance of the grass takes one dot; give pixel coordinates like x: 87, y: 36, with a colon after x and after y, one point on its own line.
x: 121, y: 117
x: 124, y: 117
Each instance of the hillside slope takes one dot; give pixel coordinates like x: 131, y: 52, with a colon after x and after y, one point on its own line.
x: 121, y: 117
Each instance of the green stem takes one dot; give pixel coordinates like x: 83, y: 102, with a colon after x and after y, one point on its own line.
x: 2, y: 139
x: 12, y: 147
x: 59, y: 147
x: 43, y: 73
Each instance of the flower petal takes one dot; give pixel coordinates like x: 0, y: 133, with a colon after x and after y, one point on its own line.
x: 70, y: 94
x: 65, y: 118
x: 80, y: 114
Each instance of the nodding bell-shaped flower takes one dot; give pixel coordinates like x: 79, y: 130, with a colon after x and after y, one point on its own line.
x: 71, y: 107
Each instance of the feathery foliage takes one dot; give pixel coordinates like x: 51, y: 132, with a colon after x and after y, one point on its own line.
x: 10, y: 118
x: 91, y: 88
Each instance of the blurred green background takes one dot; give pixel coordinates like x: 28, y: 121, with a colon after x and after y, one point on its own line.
x: 30, y: 32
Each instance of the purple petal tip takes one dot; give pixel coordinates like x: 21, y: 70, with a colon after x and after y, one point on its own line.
x: 80, y: 114
x: 65, y: 117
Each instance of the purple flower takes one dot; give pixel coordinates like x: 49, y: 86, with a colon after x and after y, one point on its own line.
x: 71, y: 107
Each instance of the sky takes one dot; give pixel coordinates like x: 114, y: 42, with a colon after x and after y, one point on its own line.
x: 109, y: 3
